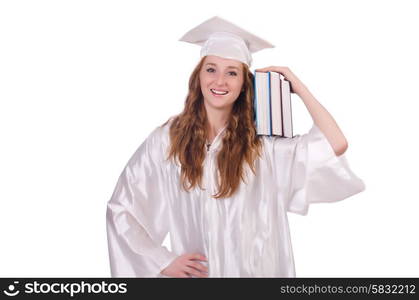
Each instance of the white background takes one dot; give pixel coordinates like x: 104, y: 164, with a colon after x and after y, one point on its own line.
x: 82, y: 84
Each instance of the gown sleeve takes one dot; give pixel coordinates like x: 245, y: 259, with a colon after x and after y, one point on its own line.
x: 317, y: 174
x: 137, y: 215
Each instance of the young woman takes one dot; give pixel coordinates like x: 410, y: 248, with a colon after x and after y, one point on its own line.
x: 219, y: 189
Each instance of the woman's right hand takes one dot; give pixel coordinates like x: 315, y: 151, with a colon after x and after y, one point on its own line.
x: 186, y: 265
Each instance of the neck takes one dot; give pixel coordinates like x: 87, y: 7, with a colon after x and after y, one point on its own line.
x: 217, y: 120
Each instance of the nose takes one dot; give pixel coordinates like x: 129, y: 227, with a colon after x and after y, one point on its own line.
x: 220, y: 80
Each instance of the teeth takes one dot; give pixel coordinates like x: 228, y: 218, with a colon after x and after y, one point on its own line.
x: 218, y: 92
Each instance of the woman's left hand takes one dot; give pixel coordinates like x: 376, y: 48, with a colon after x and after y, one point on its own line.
x: 296, y: 85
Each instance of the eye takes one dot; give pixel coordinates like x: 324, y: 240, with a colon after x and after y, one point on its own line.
x: 232, y: 73
x: 210, y: 70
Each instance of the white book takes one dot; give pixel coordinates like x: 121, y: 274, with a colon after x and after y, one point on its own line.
x: 286, y: 109
x: 262, y: 103
x: 276, y: 107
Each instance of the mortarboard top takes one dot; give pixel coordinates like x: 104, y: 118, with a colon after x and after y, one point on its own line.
x: 222, y: 38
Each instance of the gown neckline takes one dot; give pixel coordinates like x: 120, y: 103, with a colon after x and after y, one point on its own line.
x: 212, y: 146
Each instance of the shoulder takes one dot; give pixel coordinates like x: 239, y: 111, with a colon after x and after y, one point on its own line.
x: 159, y: 138
x: 153, y: 147
x: 160, y: 134
x: 273, y: 145
x: 313, y: 140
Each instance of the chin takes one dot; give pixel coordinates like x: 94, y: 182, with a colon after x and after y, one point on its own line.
x: 219, y: 105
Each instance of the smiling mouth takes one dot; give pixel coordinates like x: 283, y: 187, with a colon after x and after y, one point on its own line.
x: 218, y: 93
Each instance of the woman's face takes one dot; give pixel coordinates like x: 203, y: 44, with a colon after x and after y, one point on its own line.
x: 221, y: 81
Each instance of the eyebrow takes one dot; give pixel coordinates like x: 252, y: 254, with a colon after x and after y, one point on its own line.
x: 229, y: 67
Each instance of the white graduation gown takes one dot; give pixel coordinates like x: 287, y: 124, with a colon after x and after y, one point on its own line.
x: 246, y: 235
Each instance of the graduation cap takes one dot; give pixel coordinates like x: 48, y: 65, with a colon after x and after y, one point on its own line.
x: 224, y: 39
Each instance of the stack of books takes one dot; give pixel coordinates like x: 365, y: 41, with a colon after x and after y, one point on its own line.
x: 272, y: 102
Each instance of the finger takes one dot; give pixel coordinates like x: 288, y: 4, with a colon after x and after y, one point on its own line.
x: 197, y: 266
x: 270, y: 68
x: 195, y: 272
x: 184, y: 275
x: 264, y: 70
x: 197, y: 256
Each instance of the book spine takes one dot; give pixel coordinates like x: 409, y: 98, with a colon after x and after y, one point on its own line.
x: 281, y: 105
x: 292, y: 126
x: 269, y: 105
x: 255, y: 107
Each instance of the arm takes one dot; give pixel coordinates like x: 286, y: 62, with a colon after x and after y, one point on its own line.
x: 138, y: 220
x: 321, y: 117
x: 324, y: 120
x: 137, y: 215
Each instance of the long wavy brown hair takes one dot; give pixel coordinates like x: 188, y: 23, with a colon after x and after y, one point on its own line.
x: 240, y: 144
